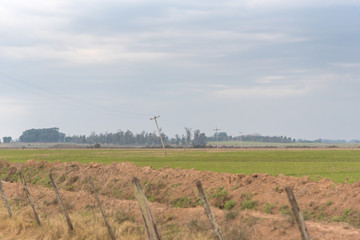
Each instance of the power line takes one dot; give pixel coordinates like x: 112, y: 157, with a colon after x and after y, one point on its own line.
x: 47, y: 93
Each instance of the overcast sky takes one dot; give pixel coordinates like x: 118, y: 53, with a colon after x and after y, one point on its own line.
x: 274, y: 67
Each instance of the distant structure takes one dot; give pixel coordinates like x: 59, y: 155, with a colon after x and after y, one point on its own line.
x: 217, y: 137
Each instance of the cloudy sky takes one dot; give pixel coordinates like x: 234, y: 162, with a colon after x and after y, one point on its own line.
x: 274, y: 67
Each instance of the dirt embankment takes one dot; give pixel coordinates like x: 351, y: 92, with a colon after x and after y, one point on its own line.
x: 247, y: 207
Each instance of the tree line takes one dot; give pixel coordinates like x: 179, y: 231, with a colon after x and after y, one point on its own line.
x: 222, y: 136
x: 187, y: 139
x: 52, y: 135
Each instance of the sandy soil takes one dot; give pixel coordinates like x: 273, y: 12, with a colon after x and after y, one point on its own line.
x: 324, y: 202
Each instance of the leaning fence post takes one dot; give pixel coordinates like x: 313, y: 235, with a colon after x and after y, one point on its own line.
x: 298, y: 216
x: 5, y: 199
x: 30, y: 198
x: 111, y: 233
x: 150, y: 224
x: 208, y: 211
x: 68, y: 220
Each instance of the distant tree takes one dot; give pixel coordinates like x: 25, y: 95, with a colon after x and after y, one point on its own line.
x: 199, y: 139
x: 188, y: 135
x: 177, y: 139
x: 42, y: 135
x: 7, y: 139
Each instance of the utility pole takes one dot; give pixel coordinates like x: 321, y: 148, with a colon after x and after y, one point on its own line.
x: 217, y: 137
x: 157, y: 125
x: 241, y: 145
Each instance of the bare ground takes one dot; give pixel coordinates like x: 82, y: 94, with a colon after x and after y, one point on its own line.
x: 258, y: 202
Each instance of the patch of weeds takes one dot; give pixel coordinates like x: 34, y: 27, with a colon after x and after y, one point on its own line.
x: 151, y: 198
x: 276, y: 188
x: 18, y: 202
x: 62, y: 179
x: 175, y: 185
x: 42, y: 165
x: 121, y: 216
x: 285, y: 210
x: 35, y: 180
x: 268, y: 208
x: 169, y: 218
x: 328, y: 203
x: 249, y: 204
x: 45, y: 182
x: 350, y: 216
x: 307, y: 214
x: 220, y: 196
x: 74, y: 166
x: 198, y: 202
x: 196, y: 226
x: 14, y: 177
x: 68, y: 206
x: 246, y: 196
x: 86, y: 180
x: 149, y: 186
x: 320, y: 216
x: 53, y: 202
x: 131, y: 197
x: 182, y: 202
x: 153, y: 189
x: 251, y: 221
x: 241, y: 232
x: 235, y: 187
x: 171, y: 229
x: 229, y: 204
x: 73, y: 179
x: 89, y: 207
x: 231, y: 215
x: 69, y: 187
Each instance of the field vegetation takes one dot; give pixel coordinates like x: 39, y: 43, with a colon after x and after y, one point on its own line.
x: 340, y: 165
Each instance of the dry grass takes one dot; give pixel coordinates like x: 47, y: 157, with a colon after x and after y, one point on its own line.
x: 87, y: 225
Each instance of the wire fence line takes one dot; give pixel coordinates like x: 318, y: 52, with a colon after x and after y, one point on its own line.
x: 152, y: 231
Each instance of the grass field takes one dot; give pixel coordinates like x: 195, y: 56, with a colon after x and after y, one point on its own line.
x: 338, y: 165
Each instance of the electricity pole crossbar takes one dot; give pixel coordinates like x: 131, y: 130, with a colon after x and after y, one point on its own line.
x: 157, y: 125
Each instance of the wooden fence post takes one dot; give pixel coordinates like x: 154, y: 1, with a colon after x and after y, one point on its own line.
x: 5, y: 199
x: 111, y: 233
x: 298, y: 216
x: 30, y: 198
x: 150, y: 224
x: 68, y: 220
x: 208, y: 211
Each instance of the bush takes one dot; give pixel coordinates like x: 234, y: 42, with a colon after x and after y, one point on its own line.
x: 182, y: 202
x: 249, y: 204
x: 231, y: 215
x: 229, y: 204
x: 221, y: 196
x: 268, y: 208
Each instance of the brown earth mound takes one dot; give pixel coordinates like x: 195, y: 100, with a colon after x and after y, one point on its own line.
x: 246, y: 207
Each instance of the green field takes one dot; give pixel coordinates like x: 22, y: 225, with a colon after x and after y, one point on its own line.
x: 337, y: 165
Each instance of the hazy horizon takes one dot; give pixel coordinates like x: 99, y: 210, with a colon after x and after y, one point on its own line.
x: 276, y: 67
